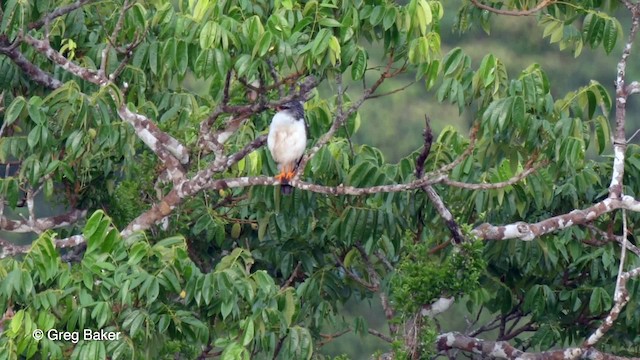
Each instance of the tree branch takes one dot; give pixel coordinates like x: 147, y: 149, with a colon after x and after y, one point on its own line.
x: 524, y: 231
x: 61, y: 11
x: 210, y: 141
x: 34, y: 72
x: 503, y: 350
x: 540, y: 6
x: 611, y: 237
x: 327, y: 338
x: 488, y: 186
x: 339, y: 120
x: 373, y: 287
x: 43, y: 47
x: 41, y: 224
x: 11, y: 249
x: 382, y: 336
x: 619, y: 139
x: 169, y: 150
x: 111, y: 40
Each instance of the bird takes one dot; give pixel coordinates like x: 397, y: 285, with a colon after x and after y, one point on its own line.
x: 287, y: 141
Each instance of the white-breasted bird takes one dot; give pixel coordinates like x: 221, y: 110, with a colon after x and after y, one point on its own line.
x: 287, y: 141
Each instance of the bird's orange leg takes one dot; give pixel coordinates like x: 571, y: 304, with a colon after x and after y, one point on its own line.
x: 281, y: 175
x: 285, y: 174
x: 290, y: 173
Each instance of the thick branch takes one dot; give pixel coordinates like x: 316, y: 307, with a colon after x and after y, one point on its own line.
x: 619, y: 140
x: 8, y: 249
x: 444, y: 212
x: 503, y: 350
x: 524, y: 231
x: 43, y: 47
x: 170, y: 151
x: 39, y: 224
x: 32, y: 71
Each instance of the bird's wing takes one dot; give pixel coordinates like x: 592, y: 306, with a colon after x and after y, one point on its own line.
x: 300, y: 133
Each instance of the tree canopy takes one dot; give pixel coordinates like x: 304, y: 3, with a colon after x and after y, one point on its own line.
x: 133, y: 151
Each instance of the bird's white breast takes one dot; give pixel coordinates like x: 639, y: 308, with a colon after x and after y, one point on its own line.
x: 287, y: 138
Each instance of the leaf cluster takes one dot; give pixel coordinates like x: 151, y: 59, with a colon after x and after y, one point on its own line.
x: 422, y: 278
x: 153, y: 294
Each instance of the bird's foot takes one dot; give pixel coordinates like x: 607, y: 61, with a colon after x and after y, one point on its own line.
x: 289, y: 175
x: 285, y: 175
x: 281, y: 177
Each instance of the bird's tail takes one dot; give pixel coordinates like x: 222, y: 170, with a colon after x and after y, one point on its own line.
x: 286, y: 189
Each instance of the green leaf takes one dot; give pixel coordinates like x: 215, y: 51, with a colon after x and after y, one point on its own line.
x: 169, y: 52
x: 209, y: 35
x: 390, y: 16
x: 34, y: 136
x: 242, y: 64
x: 16, y: 322
x: 263, y: 45
x: 603, y: 133
x: 335, y: 50
x: 226, y: 307
x: 329, y: 22
x: 139, y: 14
x: 421, y: 15
x: 289, y: 306
x: 376, y: 15
x: 233, y: 351
x: 248, y: 332
x: 93, y: 223
x: 36, y: 113
x: 14, y: 110
x: 8, y: 15
x: 183, y: 57
x: 451, y: 61
x: 153, y: 57
x: 359, y: 64
x: 169, y: 242
x: 518, y: 111
x: 597, y: 301
x: 153, y: 290
x: 610, y: 35
x: 321, y: 42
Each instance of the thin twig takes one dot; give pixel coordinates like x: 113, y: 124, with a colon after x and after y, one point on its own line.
x: 294, y: 274
x: 540, y: 6
x: 488, y: 186
x: 61, y: 11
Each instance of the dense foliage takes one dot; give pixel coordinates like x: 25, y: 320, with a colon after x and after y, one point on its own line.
x: 150, y: 117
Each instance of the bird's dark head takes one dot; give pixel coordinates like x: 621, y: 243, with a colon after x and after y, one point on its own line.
x: 294, y: 108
